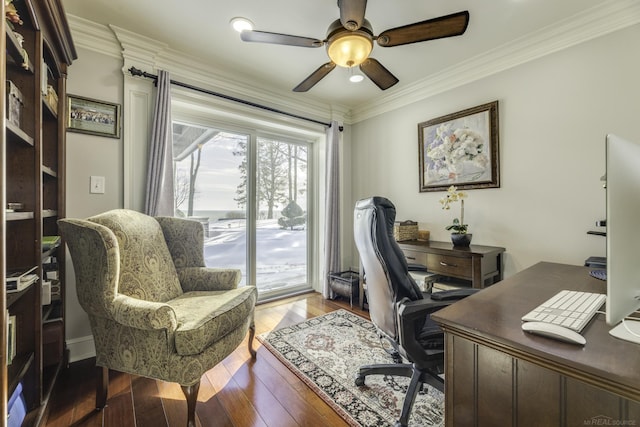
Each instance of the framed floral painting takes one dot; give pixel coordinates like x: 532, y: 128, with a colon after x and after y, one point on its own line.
x: 460, y: 149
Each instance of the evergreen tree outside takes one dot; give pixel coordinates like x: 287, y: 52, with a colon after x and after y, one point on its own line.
x: 279, y: 165
x: 292, y: 216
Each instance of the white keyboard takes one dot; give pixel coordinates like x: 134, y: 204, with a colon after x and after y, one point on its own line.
x: 571, y: 309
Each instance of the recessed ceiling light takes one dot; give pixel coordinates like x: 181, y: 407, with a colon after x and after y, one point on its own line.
x: 241, y: 24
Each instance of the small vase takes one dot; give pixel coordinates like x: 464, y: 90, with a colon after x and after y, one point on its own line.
x: 462, y: 240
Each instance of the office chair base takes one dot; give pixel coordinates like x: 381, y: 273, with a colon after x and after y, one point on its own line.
x: 418, y: 376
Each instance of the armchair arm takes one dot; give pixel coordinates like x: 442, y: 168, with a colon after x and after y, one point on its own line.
x: 141, y: 314
x: 208, y: 279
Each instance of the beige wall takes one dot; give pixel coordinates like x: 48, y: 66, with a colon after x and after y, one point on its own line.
x: 95, y: 76
x: 554, y: 114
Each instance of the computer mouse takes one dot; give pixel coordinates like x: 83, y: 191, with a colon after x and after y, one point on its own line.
x: 554, y: 331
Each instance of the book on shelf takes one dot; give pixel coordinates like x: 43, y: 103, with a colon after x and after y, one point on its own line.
x: 22, y: 284
x: 19, y: 274
x: 49, y: 242
x: 20, y: 279
x: 11, y: 338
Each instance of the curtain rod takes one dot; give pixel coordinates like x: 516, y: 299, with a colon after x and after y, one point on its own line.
x: 136, y: 72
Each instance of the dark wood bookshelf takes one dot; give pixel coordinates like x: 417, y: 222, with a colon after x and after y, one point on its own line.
x: 34, y: 146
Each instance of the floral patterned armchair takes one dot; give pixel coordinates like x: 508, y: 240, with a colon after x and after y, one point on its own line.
x: 155, y: 309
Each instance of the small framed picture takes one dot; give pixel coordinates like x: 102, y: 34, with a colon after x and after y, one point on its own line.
x: 460, y: 149
x: 93, y: 117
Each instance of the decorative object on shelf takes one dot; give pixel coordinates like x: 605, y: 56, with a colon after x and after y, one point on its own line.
x: 14, y: 207
x: 460, y: 149
x: 51, y: 99
x: 11, y: 14
x: 459, y: 236
x: 15, y: 103
x: 93, y: 117
x: 405, y: 230
x: 424, y: 235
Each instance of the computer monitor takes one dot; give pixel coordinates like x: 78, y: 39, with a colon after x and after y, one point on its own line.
x: 623, y: 236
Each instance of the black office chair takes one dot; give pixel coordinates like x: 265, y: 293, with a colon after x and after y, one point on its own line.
x: 398, y: 309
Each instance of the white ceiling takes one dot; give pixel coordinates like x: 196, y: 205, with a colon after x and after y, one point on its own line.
x: 201, y: 28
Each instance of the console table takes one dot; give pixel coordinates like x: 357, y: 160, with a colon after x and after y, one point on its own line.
x: 496, y: 374
x: 476, y: 263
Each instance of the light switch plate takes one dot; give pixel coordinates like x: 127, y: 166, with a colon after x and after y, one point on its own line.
x: 97, y: 185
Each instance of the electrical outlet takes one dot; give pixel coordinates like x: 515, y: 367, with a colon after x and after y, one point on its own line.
x: 97, y: 185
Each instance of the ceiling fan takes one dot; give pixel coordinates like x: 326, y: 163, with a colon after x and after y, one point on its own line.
x: 350, y: 41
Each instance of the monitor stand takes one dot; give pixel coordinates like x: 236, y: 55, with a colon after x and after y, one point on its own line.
x: 628, y: 330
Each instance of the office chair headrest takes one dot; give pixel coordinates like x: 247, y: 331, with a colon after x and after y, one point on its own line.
x: 396, y: 263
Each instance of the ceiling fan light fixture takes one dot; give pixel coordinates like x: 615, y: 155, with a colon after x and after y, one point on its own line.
x: 241, y: 24
x: 354, y: 76
x: 349, y: 49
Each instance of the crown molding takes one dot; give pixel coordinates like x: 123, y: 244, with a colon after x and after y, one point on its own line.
x: 93, y: 36
x: 608, y: 17
x: 148, y: 54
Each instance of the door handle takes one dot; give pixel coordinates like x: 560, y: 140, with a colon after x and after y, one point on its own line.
x: 444, y: 264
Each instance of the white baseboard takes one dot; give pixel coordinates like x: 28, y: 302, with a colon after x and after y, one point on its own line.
x: 81, y: 348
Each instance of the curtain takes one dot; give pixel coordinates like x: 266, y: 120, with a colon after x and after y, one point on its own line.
x: 332, y: 208
x: 159, y: 198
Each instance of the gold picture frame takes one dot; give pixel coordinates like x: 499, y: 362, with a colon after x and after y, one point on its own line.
x: 460, y: 149
x: 93, y: 117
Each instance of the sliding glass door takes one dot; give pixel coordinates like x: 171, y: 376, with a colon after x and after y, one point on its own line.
x: 251, y: 195
x: 281, y: 226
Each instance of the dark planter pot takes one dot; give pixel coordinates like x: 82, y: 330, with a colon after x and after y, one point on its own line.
x: 462, y: 240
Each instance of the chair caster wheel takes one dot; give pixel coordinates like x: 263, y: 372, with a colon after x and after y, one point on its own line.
x: 359, y: 381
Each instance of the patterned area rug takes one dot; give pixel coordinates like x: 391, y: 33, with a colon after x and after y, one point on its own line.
x: 326, y: 352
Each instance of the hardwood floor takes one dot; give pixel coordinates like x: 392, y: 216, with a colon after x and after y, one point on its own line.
x: 238, y: 392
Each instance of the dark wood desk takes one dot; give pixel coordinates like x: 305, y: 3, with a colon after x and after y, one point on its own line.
x: 496, y: 374
x: 475, y: 263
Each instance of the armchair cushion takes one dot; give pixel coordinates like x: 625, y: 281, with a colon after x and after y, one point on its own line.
x: 203, y: 320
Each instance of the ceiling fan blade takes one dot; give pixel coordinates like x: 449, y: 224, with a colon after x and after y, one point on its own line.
x: 315, y: 77
x: 352, y: 13
x: 378, y: 73
x: 437, y: 28
x: 276, y: 38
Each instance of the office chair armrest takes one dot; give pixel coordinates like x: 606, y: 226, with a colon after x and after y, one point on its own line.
x: 208, y: 279
x: 141, y: 314
x: 411, y: 317
x: 453, y: 294
x: 412, y: 310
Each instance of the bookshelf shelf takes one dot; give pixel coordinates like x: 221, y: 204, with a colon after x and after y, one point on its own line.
x: 18, y: 134
x: 19, y: 216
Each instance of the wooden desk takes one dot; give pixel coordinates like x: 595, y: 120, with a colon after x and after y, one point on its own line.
x: 496, y: 374
x: 475, y: 263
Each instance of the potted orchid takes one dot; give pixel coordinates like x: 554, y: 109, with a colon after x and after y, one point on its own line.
x: 459, y: 235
